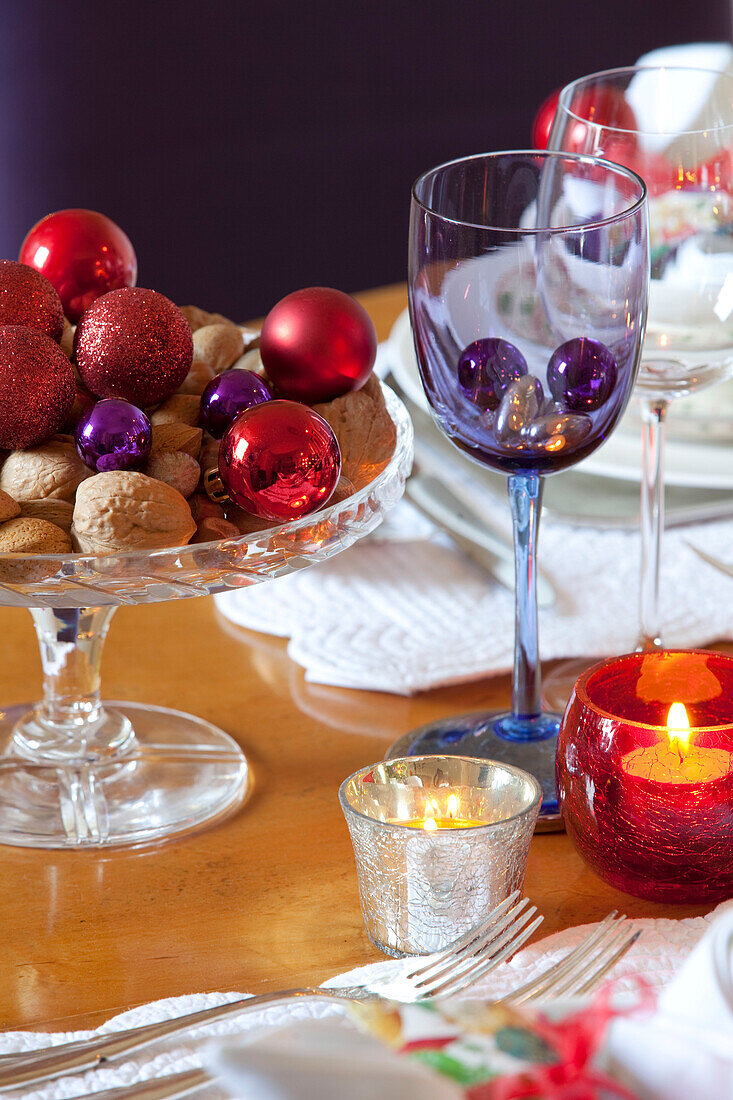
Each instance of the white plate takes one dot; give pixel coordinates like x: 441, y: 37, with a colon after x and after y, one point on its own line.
x: 707, y: 465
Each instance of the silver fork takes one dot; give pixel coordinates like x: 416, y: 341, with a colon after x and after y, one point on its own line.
x: 575, y: 974
x: 464, y: 962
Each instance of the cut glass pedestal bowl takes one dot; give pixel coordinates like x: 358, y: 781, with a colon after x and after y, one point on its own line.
x: 77, y: 772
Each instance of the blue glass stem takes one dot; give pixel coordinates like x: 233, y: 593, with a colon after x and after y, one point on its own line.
x: 525, y: 498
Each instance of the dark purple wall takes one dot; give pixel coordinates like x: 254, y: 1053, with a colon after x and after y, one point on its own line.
x: 249, y: 149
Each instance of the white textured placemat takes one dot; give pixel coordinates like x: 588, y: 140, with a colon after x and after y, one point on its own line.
x: 658, y: 955
x: 403, y: 611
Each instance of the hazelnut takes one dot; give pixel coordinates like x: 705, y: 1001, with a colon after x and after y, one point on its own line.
x: 175, y: 468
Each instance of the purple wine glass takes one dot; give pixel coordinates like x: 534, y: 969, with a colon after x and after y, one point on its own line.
x: 528, y: 290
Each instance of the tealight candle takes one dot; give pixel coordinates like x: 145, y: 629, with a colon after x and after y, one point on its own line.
x: 645, y: 773
x: 439, y: 842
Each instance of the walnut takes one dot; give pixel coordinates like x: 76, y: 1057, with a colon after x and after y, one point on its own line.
x: 26, y: 535
x: 344, y: 489
x: 125, y: 510
x: 251, y: 360
x: 8, y: 507
x: 218, y: 346
x: 175, y: 468
x: 364, y: 429
x: 182, y: 408
x: 197, y: 379
x: 59, y: 512
x: 177, y: 437
x: 197, y: 318
x: 52, y: 470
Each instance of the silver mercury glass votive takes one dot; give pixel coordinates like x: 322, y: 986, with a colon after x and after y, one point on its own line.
x: 439, y: 842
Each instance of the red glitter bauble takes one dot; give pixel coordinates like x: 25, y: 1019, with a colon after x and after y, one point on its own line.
x: 279, y: 460
x: 135, y: 344
x: 27, y: 298
x: 317, y: 344
x: 83, y: 254
x: 37, y: 387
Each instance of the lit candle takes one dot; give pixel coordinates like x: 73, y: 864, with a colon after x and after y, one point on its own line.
x: 675, y: 758
x: 436, y: 818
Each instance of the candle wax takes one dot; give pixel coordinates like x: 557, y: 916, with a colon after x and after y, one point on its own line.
x: 663, y: 763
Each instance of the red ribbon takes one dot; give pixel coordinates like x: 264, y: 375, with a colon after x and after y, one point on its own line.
x: 576, y: 1039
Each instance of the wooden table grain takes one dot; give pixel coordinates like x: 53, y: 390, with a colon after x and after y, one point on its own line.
x: 267, y: 898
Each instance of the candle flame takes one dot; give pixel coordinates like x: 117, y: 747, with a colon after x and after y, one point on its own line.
x: 452, y: 805
x: 678, y: 729
x: 430, y: 825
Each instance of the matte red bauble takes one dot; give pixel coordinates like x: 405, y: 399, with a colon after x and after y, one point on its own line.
x: 83, y: 254
x: 135, y: 344
x: 279, y: 460
x: 27, y: 298
x: 317, y: 344
x: 543, y: 121
x: 37, y: 387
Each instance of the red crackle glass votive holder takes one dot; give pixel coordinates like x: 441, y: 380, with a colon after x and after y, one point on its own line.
x: 645, y: 773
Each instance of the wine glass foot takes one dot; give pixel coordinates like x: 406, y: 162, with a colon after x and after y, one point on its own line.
x: 558, y: 684
x: 495, y: 735
x: 174, y: 774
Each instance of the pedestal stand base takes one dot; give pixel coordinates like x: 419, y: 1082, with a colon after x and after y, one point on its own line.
x: 175, y: 774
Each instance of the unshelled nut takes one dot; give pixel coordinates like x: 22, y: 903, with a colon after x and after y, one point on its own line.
x: 125, y: 510
x: 365, y: 431
x: 197, y: 318
x: 52, y: 470
x: 182, y: 408
x: 177, y: 437
x: 59, y: 512
x: 214, y: 530
x: 8, y: 507
x: 218, y: 346
x: 26, y: 535
x: 175, y: 468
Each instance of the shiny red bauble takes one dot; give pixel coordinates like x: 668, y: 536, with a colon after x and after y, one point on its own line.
x: 135, y: 344
x: 317, y: 344
x: 543, y: 121
x: 27, y: 298
x: 279, y: 460
x: 603, y: 119
x: 83, y: 254
x: 37, y: 387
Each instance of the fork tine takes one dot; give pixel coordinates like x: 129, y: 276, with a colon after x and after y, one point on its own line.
x: 548, y: 977
x: 577, y: 975
x: 465, y: 942
x: 467, y: 971
x: 483, y: 966
x: 593, y: 980
x: 493, y: 935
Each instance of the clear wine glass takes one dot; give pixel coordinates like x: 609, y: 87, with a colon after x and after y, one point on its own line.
x: 674, y: 127
x: 528, y: 281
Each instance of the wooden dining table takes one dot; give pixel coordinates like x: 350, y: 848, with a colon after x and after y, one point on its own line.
x: 266, y: 898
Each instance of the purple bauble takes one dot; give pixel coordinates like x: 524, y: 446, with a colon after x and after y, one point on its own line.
x: 229, y: 394
x: 581, y: 374
x: 113, y: 435
x: 487, y: 368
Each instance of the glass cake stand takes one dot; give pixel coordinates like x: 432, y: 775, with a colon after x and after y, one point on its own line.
x: 78, y: 772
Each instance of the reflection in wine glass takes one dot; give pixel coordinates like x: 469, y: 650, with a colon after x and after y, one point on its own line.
x: 528, y: 285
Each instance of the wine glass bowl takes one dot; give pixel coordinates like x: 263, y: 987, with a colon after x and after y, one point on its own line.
x: 674, y: 127
x: 528, y: 281
x: 79, y: 772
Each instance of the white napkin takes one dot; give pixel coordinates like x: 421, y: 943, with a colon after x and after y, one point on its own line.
x: 685, y: 1051
x: 658, y: 955
x: 404, y: 611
